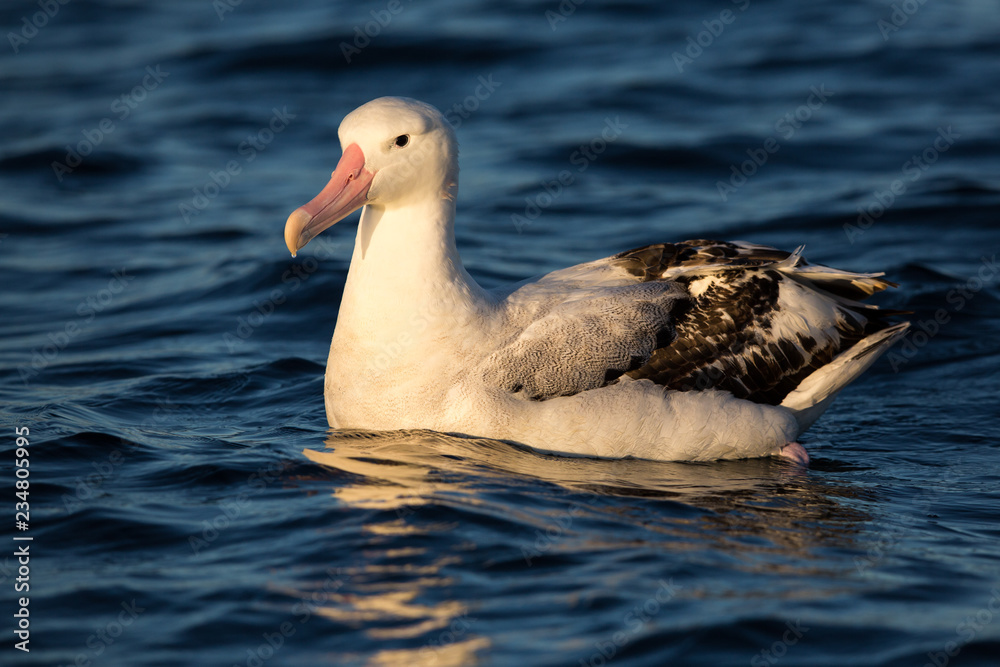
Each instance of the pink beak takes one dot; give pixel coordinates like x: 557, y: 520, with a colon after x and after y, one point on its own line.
x: 346, y: 192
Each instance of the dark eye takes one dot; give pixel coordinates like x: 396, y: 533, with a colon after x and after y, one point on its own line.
x: 402, y: 140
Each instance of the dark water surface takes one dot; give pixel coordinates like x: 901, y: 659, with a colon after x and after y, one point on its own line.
x: 188, y: 505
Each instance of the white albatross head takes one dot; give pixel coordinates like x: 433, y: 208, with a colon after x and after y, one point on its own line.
x: 395, y: 151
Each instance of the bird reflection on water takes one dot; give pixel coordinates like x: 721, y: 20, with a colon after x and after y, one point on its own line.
x: 766, y: 516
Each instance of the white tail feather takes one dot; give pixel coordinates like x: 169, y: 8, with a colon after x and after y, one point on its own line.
x: 813, y: 395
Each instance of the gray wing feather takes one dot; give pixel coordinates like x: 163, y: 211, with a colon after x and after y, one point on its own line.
x: 586, y: 342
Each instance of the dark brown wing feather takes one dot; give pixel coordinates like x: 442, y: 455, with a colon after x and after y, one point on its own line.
x: 725, y: 335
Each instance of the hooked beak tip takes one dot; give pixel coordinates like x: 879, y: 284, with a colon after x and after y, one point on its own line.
x: 297, y: 222
x: 346, y: 192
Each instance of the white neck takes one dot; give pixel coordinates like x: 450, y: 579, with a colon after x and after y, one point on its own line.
x: 405, y: 273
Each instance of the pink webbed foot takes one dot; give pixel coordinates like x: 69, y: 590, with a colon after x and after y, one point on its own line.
x: 795, y: 452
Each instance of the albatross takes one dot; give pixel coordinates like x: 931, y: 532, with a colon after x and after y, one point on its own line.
x: 691, y: 351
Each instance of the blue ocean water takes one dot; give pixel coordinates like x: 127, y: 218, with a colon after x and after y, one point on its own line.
x: 188, y: 505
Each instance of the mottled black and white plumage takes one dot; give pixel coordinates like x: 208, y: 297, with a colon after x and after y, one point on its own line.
x: 696, y: 350
x: 742, y: 328
x: 744, y: 318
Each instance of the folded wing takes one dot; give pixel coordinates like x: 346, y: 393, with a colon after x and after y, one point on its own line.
x: 690, y: 316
